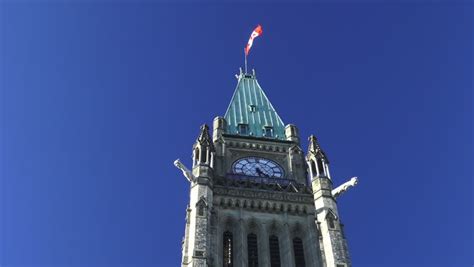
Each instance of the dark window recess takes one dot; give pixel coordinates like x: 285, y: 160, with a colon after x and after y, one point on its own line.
x: 299, y: 252
x: 340, y: 265
x: 313, y: 168
x: 228, y: 250
x: 274, y: 252
x: 320, y: 167
x: 243, y: 129
x: 331, y: 224
x: 252, y: 250
x: 196, y: 153
x: 268, y: 131
x: 201, y: 210
x: 204, y: 155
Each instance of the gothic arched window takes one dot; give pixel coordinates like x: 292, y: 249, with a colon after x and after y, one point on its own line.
x: 228, y: 250
x: 330, y: 220
x: 313, y: 168
x: 196, y: 154
x: 299, y: 252
x: 203, y: 155
x: 252, y: 249
x: 201, y: 210
x: 321, y: 167
x: 274, y: 252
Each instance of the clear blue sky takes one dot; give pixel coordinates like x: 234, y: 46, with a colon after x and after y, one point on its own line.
x: 98, y: 99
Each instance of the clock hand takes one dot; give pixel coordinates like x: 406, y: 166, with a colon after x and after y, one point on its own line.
x: 261, y: 173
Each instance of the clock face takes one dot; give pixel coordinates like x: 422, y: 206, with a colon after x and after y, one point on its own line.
x: 258, y: 167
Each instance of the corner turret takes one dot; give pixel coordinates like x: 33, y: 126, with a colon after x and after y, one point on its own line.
x: 197, y: 241
x: 203, y: 155
x: 291, y: 133
x: 317, y: 161
x: 334, y: 243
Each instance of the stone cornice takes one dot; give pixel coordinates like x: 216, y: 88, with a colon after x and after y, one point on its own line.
x: 264, y: 194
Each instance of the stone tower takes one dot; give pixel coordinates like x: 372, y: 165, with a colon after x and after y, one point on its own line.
x: 255, y: 198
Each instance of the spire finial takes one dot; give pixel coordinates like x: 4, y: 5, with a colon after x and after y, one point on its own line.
x: 204, y: 134
x: 313, y: 143
x: 315, y: 149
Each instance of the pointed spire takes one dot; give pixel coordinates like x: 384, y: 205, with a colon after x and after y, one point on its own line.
x: 204, y: 138
x: 203, y: 149
x: 315, y: 149
x: 250, y: 112
x: 313, y: 144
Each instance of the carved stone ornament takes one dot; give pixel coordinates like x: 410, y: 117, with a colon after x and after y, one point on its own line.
x: 254, y: 194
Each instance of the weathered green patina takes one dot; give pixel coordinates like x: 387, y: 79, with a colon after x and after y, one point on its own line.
x: 251, y: 113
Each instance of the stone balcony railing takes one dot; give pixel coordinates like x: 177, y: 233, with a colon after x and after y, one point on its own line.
x: 265, y: 183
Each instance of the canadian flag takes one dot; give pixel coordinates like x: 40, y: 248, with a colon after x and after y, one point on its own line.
x: 257, y: 32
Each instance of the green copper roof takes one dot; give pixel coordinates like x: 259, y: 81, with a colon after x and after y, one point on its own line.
x: 251, y: 108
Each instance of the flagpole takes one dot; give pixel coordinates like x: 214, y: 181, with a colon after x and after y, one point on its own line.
x: 245, y: 61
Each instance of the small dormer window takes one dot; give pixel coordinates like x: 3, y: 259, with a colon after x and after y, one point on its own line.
x: 252, y: 108
x: 268, y: 131
x: 243, y: 129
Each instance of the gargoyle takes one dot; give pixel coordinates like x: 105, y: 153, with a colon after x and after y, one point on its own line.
x: 187, y: 173
x: 344, y: 187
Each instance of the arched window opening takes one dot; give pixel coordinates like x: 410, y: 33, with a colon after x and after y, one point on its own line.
x: 330, y: 220
x: 252, y: 249
x: 299, y: 252
x: 228, y: 250
x: 313, y: 168
x: 204, y: 155
x: 196, y: 154
x: 321, y: 167
x: 274, y: 252
x: 201, y: 210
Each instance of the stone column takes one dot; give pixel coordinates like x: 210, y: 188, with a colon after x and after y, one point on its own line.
x: 219, y: 242
x: 264, y: 247
x: 287, y: 248
x: 311, y: 243
x: 240, y: 250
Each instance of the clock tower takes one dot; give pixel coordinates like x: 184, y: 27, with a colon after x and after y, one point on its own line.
x: 256, y: 198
